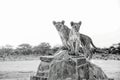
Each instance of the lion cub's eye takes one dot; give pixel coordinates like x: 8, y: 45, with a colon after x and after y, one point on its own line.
x: 60, y: 25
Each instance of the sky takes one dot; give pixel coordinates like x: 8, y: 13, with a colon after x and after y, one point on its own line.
x: 30, y: 21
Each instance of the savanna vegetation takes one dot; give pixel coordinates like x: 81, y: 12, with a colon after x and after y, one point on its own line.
x: 26, y: 50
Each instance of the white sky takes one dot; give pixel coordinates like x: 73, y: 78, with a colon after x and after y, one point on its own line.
x: 30, y: 21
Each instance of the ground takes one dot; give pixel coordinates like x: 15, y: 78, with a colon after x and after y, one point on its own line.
x: 22, y: 67
x: 22, y: 70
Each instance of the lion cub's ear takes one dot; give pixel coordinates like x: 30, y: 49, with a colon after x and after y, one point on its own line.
x: 80, y: 22
x: 54, y: 22
x: 72, y: 23
x: 63, y: 21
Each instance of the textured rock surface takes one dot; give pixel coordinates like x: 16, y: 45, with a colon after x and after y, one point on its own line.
x: 46, y: 58
x: 96, y: 73
x: 63, y: 66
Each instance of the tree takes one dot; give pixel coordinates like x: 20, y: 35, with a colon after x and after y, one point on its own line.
x: 43, y: 49
x: 118, y: 48
x: 24, y: 49
x: 6, y: 50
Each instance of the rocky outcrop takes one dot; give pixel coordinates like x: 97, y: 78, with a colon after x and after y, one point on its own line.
x: 62, y: 66
x: 67, y: 67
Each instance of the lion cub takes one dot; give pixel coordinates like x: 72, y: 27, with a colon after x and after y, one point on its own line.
x: 63, y: 31
x: 74, y: 38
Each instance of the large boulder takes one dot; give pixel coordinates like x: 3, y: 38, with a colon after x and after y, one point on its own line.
x: 66, y: 67
x: 63, y: 66
x: 96, y: 73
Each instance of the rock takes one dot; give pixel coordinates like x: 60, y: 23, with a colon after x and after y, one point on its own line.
x: 96, y: 73
x: 63, y: 66
x: 43, y: 66
x: 43, y: 69
x: 37, y: 78
x: 66, y: 67
x: 46, y: 58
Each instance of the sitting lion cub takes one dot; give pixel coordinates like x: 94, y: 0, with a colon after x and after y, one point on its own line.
x: 74, y: 38
x: 63, y: 31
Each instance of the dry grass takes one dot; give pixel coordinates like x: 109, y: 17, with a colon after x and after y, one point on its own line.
x: 20, y: 57
x: 22, y: 67
x: 106, y: 56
